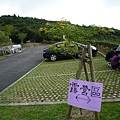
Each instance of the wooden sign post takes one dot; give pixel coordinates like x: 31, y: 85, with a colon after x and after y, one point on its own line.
x: 83, y: 61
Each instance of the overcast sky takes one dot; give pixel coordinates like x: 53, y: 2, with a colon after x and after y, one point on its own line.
x: 104, y: 13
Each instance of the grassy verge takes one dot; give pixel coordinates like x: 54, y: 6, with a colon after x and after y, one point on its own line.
x: 4, y: 56
x: 109, y: 111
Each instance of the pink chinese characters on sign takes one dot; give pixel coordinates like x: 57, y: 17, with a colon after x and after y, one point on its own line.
x: 84, y: 94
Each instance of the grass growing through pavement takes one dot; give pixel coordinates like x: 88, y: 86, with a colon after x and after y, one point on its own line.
x: 109, y: 111
x: 48, y: 82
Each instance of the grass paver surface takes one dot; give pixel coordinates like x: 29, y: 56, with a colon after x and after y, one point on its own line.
x: 48, y: 82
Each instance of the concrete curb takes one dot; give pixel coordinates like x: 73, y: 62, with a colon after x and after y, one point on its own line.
x: 52, y: 103
x: 101, y: 54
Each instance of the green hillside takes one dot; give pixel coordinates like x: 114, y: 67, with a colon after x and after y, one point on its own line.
x: 22, y: 29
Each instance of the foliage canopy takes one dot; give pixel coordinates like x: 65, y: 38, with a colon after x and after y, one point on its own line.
x: 41, y: 30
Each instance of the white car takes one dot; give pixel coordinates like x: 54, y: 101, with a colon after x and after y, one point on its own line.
x: 19, y: 47
x: 14, y: 48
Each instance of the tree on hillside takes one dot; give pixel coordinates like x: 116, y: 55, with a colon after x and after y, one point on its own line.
x: 7, y: 29
x: 22, y: 36
x: 3, y: 38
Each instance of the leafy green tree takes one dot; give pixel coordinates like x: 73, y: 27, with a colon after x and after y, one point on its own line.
x: 7, y: 29
x: 65, y: 48
x: 22, y: 36
x: 3, y: 38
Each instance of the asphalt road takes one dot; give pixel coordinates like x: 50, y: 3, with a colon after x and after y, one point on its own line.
x: 17, y: 65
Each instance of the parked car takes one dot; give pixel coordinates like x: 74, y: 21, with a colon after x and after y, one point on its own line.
x: 59, y: 53
x: 19, y: 47
x: 12, y: 49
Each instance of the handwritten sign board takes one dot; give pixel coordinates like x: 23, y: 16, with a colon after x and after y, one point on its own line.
x: 84, y: 94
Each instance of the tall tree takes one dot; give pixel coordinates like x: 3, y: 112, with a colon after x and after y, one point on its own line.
x: 22, y: 36
x: 3, y: 37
